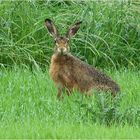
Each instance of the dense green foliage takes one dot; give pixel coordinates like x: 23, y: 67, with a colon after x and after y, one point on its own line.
x: 109, y: 38
x: 29, y: 108
x: 109, y: 35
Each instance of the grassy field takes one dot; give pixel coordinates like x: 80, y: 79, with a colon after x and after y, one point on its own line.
x: 109, y: 35
x: 29, y: 108
x: 109, y: 38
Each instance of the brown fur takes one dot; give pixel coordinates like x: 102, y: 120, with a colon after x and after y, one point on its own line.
x: 70, y: 73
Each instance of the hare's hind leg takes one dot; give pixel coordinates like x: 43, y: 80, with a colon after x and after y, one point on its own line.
x: 89, y: 93
x: 69, y: 92
x: 61, y: 90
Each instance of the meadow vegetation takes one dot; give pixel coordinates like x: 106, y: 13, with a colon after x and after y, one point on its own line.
x: 109, y: 35
x: 29, y: 108
x: 109, y: 39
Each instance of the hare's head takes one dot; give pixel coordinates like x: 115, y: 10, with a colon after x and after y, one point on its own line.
x: 61, y: 43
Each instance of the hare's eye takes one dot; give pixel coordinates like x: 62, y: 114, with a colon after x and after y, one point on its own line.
x: 57, y: 44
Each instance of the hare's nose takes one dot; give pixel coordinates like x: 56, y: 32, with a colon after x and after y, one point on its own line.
x: 60, y: 50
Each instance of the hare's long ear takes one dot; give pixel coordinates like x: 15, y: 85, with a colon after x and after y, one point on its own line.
x: 51, y: 28
x: 73, y: 30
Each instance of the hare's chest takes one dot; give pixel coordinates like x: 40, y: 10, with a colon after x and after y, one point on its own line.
x: 54, y: 72
x: 60, y: 73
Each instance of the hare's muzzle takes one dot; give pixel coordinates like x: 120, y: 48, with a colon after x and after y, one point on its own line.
x: 62, y: 50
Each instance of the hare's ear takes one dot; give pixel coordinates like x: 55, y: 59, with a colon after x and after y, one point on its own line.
x: 73, y: 30
x: 51, y: 28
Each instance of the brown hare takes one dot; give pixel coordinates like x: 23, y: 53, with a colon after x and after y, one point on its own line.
x: 70, y: 73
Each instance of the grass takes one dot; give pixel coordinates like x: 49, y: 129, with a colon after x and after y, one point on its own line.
x: 39, y: 130
x: 108, y: 37
x: 29, y: 108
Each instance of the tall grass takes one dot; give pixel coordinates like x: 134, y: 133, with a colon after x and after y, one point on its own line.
x: 109, y: 35
x: 29, y: 108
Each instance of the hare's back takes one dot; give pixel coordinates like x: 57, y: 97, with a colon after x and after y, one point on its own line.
x: 88, y: 76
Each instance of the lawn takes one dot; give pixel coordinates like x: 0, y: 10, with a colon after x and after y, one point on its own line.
x: 29, y: 108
